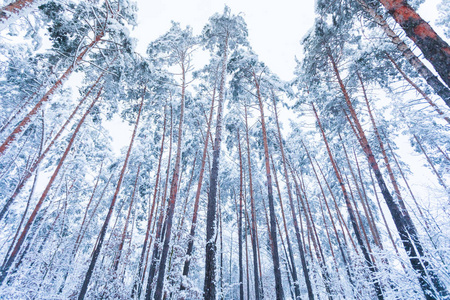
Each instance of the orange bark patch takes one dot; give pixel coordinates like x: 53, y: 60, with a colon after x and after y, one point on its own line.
x: 404, y: 13
x: 424, y: 30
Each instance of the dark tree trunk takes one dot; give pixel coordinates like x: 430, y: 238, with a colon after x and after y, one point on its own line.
x: 258, y: 293
x: 209, y: 287
x: 405, y: 227
x: 432, y: 80
x: 127, y: 220
x: 190, y: 247
x: 288, y: 186
x: 273, y: 228
x: 159, y: 224
x: 433, y: 47
x: 102, y: 233
x: 173, y: 195
x: 137, y: 287
x: 351, y: 213
x: 241, y: 185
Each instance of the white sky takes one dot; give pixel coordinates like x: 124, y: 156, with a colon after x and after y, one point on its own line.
x: 274, y: 30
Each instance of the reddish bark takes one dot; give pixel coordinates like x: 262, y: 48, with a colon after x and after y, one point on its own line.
x: 433, y: 47
x: 291, y: 202
x: 190, y: 247
x: 19, y: 128
x: 127, y: 220
x: 173, y: 195
x: 273, y: 229
x: 404, y: 225
x: 12, y: 257
x: 253, y: 227
x: 209, y: 287
x: 432, y: 80
x: 102, y: 233
x: 14, y: 8
x: 351, y: 213
x: 42, y: 155
x: 137, y: 287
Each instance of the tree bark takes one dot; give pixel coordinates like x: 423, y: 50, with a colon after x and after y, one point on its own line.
x: 102, y: 233
x: 273, y: 228
x: 351, y: 213
x: 19, y: 128
x: 127, y: 220
x: 433, y: 47
x: 432, y: 80
x: 5, y: 269
x: 137, y: 287
x: 209, y: 287
x: 14, y: 9
x: 405, y: 227
x: 253, y: 230
x: 173, y: 194
x: 190, y: 247
x: 42, y: 155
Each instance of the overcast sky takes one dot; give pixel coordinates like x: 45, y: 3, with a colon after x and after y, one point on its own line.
x: 275, y: 30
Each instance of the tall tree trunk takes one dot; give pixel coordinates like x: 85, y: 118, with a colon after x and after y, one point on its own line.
x: 288, y: 187
x: 42, y: 155
x: 433, y: 81
x: 29, y: 198
x: 19, y: 128
x: 137, y: 287
x: 190, y: 247
x: 102, y: 233
x: 209, y: 287
x: 433, y: 47
x: 369, y: 220
x: 258, y: 294
x: 12, y: 257
x: 311, y: 230
x: 173, y: 194
x: 288, y: 241
x: 127, y: 220
x: 344, y: 258
x: 241, y: 183
x: 351, y: 213
x: 405, y: 227
x: 273, y: 228
x: 159, y: 229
